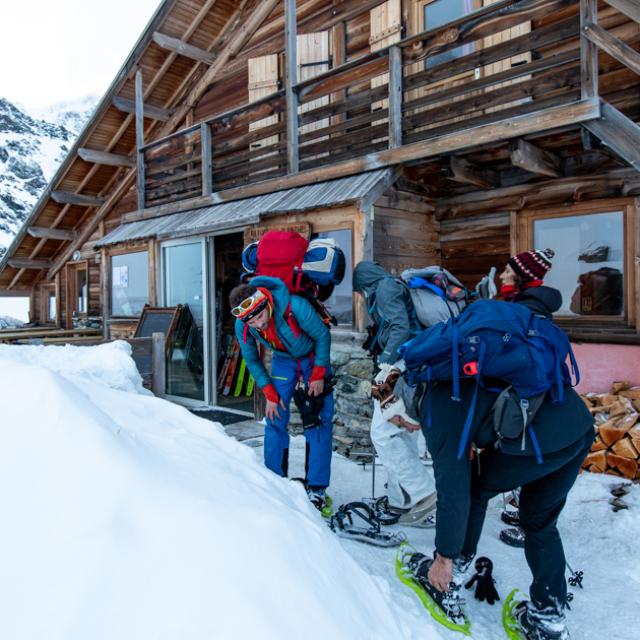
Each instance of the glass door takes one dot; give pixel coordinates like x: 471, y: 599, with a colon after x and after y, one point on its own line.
x: 184, y: 282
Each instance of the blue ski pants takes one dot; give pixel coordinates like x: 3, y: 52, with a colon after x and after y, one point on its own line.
x: 285, y: 373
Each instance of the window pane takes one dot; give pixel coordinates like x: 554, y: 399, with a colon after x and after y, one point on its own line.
x: 81, y: 291
x: 588, y: 267
x: 52, y: 306
x: 184, y: 284
x: 129, y: 283
x: 442, y: 12
x: 340, y: 302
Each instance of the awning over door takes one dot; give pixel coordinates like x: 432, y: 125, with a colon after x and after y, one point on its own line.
x: 240, y: 213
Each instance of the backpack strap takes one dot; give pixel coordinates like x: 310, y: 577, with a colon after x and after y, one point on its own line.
x: 455, y: 339
x: 291, y: 321
x: 464, y: 438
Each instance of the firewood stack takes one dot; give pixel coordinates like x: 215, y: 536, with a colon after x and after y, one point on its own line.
x: 616, y: 449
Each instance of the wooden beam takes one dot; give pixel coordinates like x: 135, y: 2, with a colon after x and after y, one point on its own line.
x: 181, y: 47
x: 24, y: 263
x: 395, y: 97
x: 630, y: 8
x: 619, y: 133
x: 615, y: 47
x: 588, y: 51
x: 82, y: 199
x: 207, y: 168
x: 15, y: 293
x: 535, y: 160
x: 140, y: 177
x: 535, y: 122
x: 104, y: 157
x: 51, y: 233
x: 151, y: 112
x: 290, y: 80
x: 233, y: 47
x: 469, y: 173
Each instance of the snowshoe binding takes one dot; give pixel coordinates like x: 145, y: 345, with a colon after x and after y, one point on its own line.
x: 358, y: 521
x: 445, y: 607
x: 521, y: 621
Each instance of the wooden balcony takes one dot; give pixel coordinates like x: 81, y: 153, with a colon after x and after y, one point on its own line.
x: 453, y: 88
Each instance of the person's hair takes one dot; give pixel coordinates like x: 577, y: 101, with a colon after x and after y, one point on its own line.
x: 240, y: 293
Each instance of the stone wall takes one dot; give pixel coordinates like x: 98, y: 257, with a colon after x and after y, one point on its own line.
x: 353, y: 370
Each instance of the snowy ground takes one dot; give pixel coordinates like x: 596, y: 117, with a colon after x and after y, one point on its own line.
x: 125, y: 516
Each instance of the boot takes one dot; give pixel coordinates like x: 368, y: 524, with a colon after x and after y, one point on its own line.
x: 540, y: 624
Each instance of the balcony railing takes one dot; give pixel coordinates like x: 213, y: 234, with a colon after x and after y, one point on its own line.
x: 487, y: 67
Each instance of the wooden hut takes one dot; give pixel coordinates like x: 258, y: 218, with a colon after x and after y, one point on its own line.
x: 414, y: 131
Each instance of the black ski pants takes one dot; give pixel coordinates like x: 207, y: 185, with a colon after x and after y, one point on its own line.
x: 544, y: 491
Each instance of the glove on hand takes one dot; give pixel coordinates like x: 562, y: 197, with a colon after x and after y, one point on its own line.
x: 383, y: 384
x: 483, y: 579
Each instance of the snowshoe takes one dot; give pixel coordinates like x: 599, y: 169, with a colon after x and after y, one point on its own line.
x: 348, y: 522
x: 523, y: 622
x: 445, y: 607
x: 513, y: 536
x: 419, y: 510
x: 511, y: 517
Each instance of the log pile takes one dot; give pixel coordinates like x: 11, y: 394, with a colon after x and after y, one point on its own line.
x: 616, y: 449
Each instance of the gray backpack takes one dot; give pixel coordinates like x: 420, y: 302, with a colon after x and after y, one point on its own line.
x: 437, y: 295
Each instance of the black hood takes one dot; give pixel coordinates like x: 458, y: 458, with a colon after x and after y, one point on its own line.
x: 543, y: 300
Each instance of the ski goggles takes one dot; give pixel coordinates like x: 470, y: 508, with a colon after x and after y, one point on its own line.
x: 250, y: 307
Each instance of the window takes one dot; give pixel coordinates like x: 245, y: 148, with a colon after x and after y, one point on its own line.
x: 129, y: 283
x: 82, y: 291
x: 588, y: 267
x: 439, y: 12
x: 340, y: 302
x: 51, y: 306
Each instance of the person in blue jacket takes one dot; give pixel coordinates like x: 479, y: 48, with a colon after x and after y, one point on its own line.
x: 269, y: 317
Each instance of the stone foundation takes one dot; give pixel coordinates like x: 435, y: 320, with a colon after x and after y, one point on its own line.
x: 353, y: 370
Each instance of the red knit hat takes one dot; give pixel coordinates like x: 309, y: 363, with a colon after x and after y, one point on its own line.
x: 532, y: 265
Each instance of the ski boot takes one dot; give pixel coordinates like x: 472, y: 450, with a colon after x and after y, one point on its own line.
x: 445, y: 607
x: 523, y: 621
x: 321, y: 501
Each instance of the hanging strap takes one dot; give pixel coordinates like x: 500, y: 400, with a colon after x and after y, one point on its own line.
x: 455, y: 338
x: 472, y: 407
x: 535, y: 444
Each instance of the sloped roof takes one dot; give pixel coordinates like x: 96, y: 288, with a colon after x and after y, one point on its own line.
x: 240, y: 213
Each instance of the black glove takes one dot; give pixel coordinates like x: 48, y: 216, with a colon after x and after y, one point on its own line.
x: 483, y: 579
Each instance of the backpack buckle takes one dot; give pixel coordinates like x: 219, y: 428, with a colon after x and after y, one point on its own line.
x: 473, y: 339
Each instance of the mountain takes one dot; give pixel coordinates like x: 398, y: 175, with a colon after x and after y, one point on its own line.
x: 32, y: 145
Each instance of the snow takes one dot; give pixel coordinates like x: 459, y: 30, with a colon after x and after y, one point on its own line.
x: 126, y: 516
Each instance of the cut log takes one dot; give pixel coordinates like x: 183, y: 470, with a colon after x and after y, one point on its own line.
x: 625, y: 449
x: 628, y: 468
x: 597, y: 459
x: 619, y: 386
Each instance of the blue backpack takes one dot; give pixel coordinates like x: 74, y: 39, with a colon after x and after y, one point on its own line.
x: 493, y: 339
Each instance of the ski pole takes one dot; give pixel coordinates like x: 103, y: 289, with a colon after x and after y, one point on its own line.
x: 373, y: 474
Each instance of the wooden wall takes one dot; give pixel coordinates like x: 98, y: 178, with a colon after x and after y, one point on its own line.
x: 405, y: 231
x: 471, y: 246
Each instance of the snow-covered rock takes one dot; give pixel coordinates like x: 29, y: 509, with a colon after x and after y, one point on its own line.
x: 32, y: 146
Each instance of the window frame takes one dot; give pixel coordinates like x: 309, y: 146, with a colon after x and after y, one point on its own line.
x: 631, y: 244
x: 150, y: 277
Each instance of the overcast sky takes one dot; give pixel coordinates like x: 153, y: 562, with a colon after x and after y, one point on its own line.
x: 57, y: 50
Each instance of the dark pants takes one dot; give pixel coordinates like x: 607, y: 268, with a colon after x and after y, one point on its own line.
x: 544, y: 491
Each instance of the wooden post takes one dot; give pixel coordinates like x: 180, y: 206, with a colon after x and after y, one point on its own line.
x: 205, y: 146
x: 395, y: 97
x: 588, y: 50
x: 140, y: 138
x: 290, y: 80
x: 105, y: 290
x: 158, y: 364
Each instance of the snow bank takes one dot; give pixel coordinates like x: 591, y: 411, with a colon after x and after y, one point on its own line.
x: 107, y: 364
x: 125, y: 516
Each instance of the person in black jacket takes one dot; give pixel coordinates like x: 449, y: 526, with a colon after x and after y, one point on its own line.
x: 565, y: 433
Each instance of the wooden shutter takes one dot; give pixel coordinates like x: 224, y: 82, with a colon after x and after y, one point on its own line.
x: 385, y: 29
x: 313, y: 59
x: 507, y: 63
x: 263, y: 80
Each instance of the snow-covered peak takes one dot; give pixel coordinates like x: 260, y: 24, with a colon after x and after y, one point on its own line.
x: 32, y: 146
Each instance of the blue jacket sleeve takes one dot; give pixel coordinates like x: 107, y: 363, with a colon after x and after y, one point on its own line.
x: 309, y: 321
x: 252, y: 356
